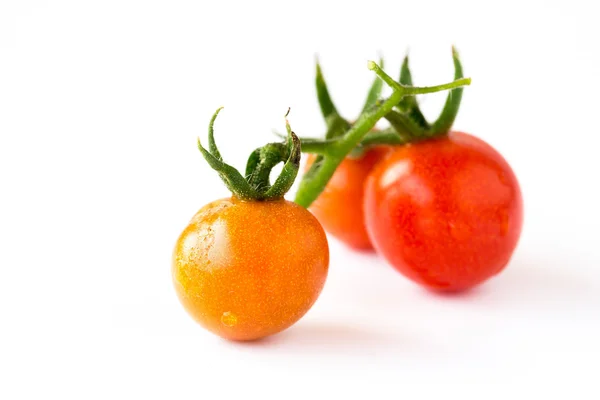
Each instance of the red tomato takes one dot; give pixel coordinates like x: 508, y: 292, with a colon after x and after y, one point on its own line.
x: 340, y: 207
x: 447, y: 213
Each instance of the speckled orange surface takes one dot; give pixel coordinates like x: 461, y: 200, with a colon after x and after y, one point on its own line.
x: 246, y: 270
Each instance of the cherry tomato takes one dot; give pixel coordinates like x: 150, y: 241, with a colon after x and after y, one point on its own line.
x: 447, y: 213
x: 248, y: 269
x: 339, y: 207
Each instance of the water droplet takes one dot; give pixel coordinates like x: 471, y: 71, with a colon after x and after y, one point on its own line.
x: 229, y: 319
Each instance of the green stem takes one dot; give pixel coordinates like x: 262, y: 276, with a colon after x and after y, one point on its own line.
x: 364, y: 124
x: 310, y: 189
x: 385, y: 137
x: 334, y: 152
x: 316, y: 146
x: 414, y: 90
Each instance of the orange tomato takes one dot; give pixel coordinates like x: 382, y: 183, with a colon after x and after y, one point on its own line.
x: 340, y: 207
x: 249, y: 269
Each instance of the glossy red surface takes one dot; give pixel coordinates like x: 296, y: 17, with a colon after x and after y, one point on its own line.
x: 446, y: 213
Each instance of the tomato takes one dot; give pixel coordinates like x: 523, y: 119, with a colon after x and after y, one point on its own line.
x: 248, y: 269
x: 339, y: 207
x: 447, y: 213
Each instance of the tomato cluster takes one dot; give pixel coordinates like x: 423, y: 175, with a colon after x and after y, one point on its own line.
x: 447, y: 213
x: 442, y: 207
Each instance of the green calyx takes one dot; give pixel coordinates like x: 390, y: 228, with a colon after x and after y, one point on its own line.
x: 407, y: 122
x: 256, y: 185
x: 400, y: 109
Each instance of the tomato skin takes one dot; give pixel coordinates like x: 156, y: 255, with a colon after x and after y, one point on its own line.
x: 246, y: 270
x: 339, y: 207
x: 447, y: 213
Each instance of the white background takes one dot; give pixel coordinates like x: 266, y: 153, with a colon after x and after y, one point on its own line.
x: 100, y: 106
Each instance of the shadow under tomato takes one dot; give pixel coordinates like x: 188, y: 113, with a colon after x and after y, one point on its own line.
x: 403, y: 318
x: 528, y: 283
x: 323, y: 338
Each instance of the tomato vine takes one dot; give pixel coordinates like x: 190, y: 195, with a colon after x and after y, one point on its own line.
x: 407, y: 121
x: 342, y: 138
